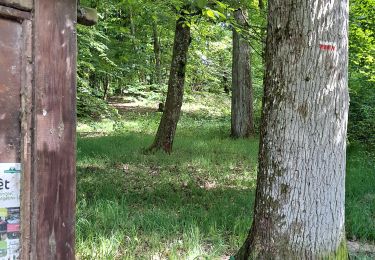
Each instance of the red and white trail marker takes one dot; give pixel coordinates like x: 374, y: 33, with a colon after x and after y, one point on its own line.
x: 327, y: 46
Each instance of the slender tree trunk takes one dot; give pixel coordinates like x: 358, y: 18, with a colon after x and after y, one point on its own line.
x: 157, y: 52
x: 132, y: 31
x: 168, y: 124
x: 299, y: 208
x: 242, y: 91
x: 263, y: 31
x: 106, y: 83
x: 132, y: 25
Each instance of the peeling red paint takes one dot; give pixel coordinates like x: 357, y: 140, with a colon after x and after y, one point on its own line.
x: 327, y: 46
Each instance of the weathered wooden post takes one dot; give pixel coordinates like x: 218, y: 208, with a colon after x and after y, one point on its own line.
x: 37, y: 128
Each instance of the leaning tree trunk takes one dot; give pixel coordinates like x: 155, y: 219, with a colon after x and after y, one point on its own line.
x: 168, y: 124
x: 242, y: 92
x: 299, y: 208
x: 106, y: 84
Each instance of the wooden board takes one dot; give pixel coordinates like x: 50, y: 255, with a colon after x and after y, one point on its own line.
x: 27, y: 92
x: 54, y: 186
x: 16, y: 110
x: 20, y: 4
x: 10, y: 90
x: 38, y: 119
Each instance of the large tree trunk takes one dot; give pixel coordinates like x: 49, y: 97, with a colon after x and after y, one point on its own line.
x: 299, y: 208
x: 242, y: 92
x: 168, y: 124
x: 157, y: 52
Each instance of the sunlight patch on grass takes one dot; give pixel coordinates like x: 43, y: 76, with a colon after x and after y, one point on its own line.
x: 196, y: 202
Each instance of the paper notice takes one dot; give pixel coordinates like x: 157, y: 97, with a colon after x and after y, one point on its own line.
x: 10, y: 186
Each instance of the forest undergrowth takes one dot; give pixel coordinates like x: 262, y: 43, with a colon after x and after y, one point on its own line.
x: 192, y: 204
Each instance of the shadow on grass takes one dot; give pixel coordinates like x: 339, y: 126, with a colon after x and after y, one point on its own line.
x: 128, y: 147
x: 196, y: 201
x: 157, y: 214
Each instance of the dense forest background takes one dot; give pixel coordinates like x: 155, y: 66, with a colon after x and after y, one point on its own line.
x: 129, y: 53
x: 194, y: 202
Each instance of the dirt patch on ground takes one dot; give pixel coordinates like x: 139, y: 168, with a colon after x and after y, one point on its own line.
x: 137, y: 107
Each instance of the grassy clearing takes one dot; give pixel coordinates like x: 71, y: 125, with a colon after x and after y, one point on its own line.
x: 360, y: 194
x: 193, y: 204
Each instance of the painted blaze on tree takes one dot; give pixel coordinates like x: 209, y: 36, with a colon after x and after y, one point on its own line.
x: 299, y: 208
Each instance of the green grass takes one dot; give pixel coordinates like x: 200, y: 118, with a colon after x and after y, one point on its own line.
x: 360, y: 194
x: 193, y: 204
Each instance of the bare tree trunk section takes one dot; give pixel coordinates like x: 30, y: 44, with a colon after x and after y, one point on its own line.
x: 262, y: 10
x: 132, y: 25
x: 299, y: 208
x: 168, y: 124
x: 106, y: 85
x: 157, y: 52
x: 242, y: 124
x: 132, y: 28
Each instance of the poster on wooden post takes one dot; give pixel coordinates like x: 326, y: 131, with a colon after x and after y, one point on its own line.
x: 10, y: 186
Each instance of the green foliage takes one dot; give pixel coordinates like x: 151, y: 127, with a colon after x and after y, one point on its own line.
x: 210, y: 58
x: 94, y: 65
x: 89, y: 106
x: 362, y: 38
x: 193, y: 203
x: 362, y: 112
x: 118, y: 52
x: 117, y: 55
x: 362, y: 72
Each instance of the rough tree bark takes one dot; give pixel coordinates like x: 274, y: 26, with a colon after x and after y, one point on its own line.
x: 168, y: 124
x: 299, y: 208
x: 262, y: 10
x: 242, y: 124
x: 157, y: 52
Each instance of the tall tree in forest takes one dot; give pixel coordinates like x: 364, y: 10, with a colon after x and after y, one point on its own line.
x: 172, y: 109
x: 157, y: 51
x: 299, y: 208
x: 168, y: 124
x: 242, y: 123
